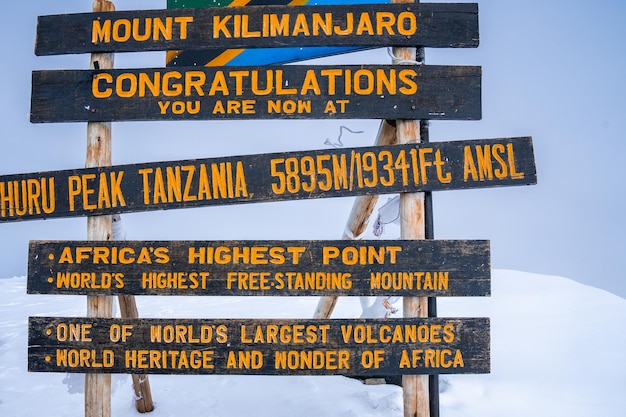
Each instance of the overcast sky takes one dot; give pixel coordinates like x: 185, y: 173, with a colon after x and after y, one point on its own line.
x: 553, y: 70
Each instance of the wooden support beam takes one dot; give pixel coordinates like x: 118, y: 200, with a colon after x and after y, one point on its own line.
x: 141, y: 383
x: 357, y: 222
x: 128, y: 310
x: 412, y: 226
x: 364, y: 205
x: 98, y: 386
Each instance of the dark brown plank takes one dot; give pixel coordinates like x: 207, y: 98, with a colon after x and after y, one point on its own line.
x: 270, y: 92
x: 270, y: 268
x: 430, y: 25
x: 267, y: 347
x: 270, y: 177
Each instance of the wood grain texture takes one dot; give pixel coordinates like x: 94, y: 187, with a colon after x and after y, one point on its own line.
x: 432, y: 25
x: 98, y: 386
x: 268, y: 92
x: 261, y: 268
x: 358, y: 219
x: 415, y: 388
x: 176, y: 346
x: 284, y: 176
x: 141, y: 382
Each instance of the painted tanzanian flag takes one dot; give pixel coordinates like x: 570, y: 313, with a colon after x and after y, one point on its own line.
x: 256, y: 56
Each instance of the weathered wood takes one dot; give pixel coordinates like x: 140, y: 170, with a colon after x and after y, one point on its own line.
x: 253, y: 268
x: 271, y: 177
x: 269, y: 92
x: 412, y: 226
x: 259, y: 347
x: 364, y: 205
x: 141, y: 382
x: 359, y: 215
x: 432, y: 25
x: 98, y: 386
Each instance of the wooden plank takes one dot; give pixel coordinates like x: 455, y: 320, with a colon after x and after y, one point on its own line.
x: 268, y: 268
x: 269, y: 92
x: 270, y: 177
x: 259, y: 347
x: 431, y: 25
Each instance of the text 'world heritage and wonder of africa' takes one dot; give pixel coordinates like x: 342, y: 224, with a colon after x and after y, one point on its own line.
x: 271, y: 347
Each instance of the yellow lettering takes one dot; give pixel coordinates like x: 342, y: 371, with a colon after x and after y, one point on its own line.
x: 365, y: 25
x: 511, y: 158
x: 407, y: 77
x: 301, y: 26
x: 95, y: 85
x: 310, y: 83
x: 183, y: 21
x: 407, y: 24
x: 101, y: 31
x: 219, y: 26
x: 312, y: 359
x: 385, y: 22
x: 122, y: 30
x: 469, y: 167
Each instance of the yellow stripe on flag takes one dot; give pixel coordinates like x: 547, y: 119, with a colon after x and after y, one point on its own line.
x: 236, y: 3
x: 225, y: 57
x: 170, y: 55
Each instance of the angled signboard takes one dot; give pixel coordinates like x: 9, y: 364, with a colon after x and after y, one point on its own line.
x: 269, y: 177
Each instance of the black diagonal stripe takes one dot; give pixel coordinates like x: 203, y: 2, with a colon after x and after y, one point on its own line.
x: 268, y: 2
x: 191, y: 58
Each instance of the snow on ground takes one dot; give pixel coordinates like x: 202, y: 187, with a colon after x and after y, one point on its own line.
x: 558, y: 348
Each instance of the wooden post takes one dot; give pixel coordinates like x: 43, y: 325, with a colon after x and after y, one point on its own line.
x: 433, y: 385
x: 357, y: 222
x: 364, y: 205
x: 128, y: 310
x: 412, y: 226
x: 98, y: 386
x: 141, y: 383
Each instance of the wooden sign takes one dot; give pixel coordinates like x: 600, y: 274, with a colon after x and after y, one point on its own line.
x: 430, y: 25
x: 269, y: 177
x: 259, y: 347
x: 431, y: 268
x: 270, y: 92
